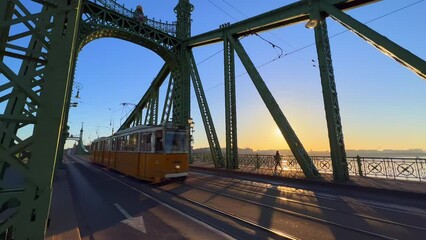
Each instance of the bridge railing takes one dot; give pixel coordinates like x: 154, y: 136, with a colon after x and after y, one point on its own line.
x: 378, y: 167
x: 121, y: 9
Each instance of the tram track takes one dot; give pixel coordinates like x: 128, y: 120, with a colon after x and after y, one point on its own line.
x: 178, y: 195
x: 136, y: 186
x: 311, y: 205
x: 327, y: 197
x: 306, y: 216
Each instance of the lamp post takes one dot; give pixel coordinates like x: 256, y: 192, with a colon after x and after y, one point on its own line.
x: 79, y: 87
x: 65, y: 130
x: 191, y: 130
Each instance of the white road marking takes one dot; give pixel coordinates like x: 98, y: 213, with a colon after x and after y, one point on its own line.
x: 133, y: 222
x: 224, y: 235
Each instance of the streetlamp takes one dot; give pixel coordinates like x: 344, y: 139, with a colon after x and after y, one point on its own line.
x: 79, y: 87
x: 191, y: 125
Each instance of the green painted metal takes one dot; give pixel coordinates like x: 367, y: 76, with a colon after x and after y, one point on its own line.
x: 331, y: 103
x: 168, y: 102
x: 383, y: 44
x: 230, y: 105
x: 280, y: 17
x: 290, y: 136
x: 215, y: 149
x: 152, y: 109
x: 37, y: 104
x: 100, y: 22
x: 37, y: 96
x: 135, y: 117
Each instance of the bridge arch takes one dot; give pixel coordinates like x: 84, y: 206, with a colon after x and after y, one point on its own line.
x: 166, y: 54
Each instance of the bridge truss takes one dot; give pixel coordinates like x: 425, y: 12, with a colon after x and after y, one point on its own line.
x: 39, y: 44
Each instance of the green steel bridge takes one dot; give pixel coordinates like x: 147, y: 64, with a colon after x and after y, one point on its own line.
x: 35, y: 98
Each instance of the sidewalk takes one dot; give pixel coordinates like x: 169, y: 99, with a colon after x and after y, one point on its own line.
x: 63, y: 223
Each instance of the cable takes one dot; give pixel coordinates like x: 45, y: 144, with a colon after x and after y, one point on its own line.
x: 214, y: 54
x: 223, y: 10
x: 274, y: 46
x: 339, y: 33
x: 312, y: 44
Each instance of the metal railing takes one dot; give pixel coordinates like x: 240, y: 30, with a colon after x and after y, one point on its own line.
x: 413, y: 169
x: 112, y: 5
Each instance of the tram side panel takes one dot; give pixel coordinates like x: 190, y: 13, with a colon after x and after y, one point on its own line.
x: 142, y: 165
x: 105, y: 158
x: 111, y: 162
x: 127, y: 163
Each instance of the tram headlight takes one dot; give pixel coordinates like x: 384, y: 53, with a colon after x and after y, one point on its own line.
x: 177, y: 166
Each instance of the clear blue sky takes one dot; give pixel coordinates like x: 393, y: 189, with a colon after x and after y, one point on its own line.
x: 383, y: 105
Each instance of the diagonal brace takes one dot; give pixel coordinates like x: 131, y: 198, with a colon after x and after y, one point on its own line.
x: 290, y: 136
x: 386, y: 46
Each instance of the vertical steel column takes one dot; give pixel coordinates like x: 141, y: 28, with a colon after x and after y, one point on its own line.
x: 45, y: 107
x: 5, y: 15
x: 331, y: 104
x: 215, y: 149
x: 50, y: 116
x: 290, y: 136
x: 230, y: 105
x: 182, y: 93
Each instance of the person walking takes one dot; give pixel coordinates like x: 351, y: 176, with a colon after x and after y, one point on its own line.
x: 277, y: 160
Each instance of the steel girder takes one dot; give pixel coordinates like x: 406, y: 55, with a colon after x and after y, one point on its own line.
x: 383, y: 44
x: 230, y: 105
x: 331, y: 103
x: 181, y: 71
x: 290, y: 136
x: 99, y: 22
x: 215, y: 149
x: 152, y: 110
x: 168, y: 102
x: 287, y: 15
x: 35, y: 98
x: 135, y: 117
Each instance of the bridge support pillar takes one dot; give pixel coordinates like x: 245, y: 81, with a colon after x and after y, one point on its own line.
x: 39, y: 107
x: 230, y: 106
x: 331, y: 104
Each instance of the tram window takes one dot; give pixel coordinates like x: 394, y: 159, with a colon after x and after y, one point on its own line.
x: 125, y: 142
x: 145, y: 142
x: 107, y: 145
x: 133, y: 142
x: 114, y: 144
x: 121, y: 144
x: 175, y: 142
x: 158, y: 141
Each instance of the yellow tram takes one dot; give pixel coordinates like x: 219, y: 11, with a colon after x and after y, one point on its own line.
x: 150, y: 153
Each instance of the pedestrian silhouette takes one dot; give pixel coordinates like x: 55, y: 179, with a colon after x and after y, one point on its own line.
x: 277, y: 160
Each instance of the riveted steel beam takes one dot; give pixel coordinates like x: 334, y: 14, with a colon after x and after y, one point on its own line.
x: 290, y: 136
x: 230, y: 105
x: 329, y: 91
x: 383, y: 44
x: 215, y: 149
x: 284, y: 16
x: 134, y: 117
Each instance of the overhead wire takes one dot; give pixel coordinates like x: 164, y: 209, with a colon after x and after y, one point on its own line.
x: 312, y: 44
x: 280, y: 51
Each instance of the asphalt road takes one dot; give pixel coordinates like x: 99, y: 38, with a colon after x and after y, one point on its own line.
x: 108, y: 209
